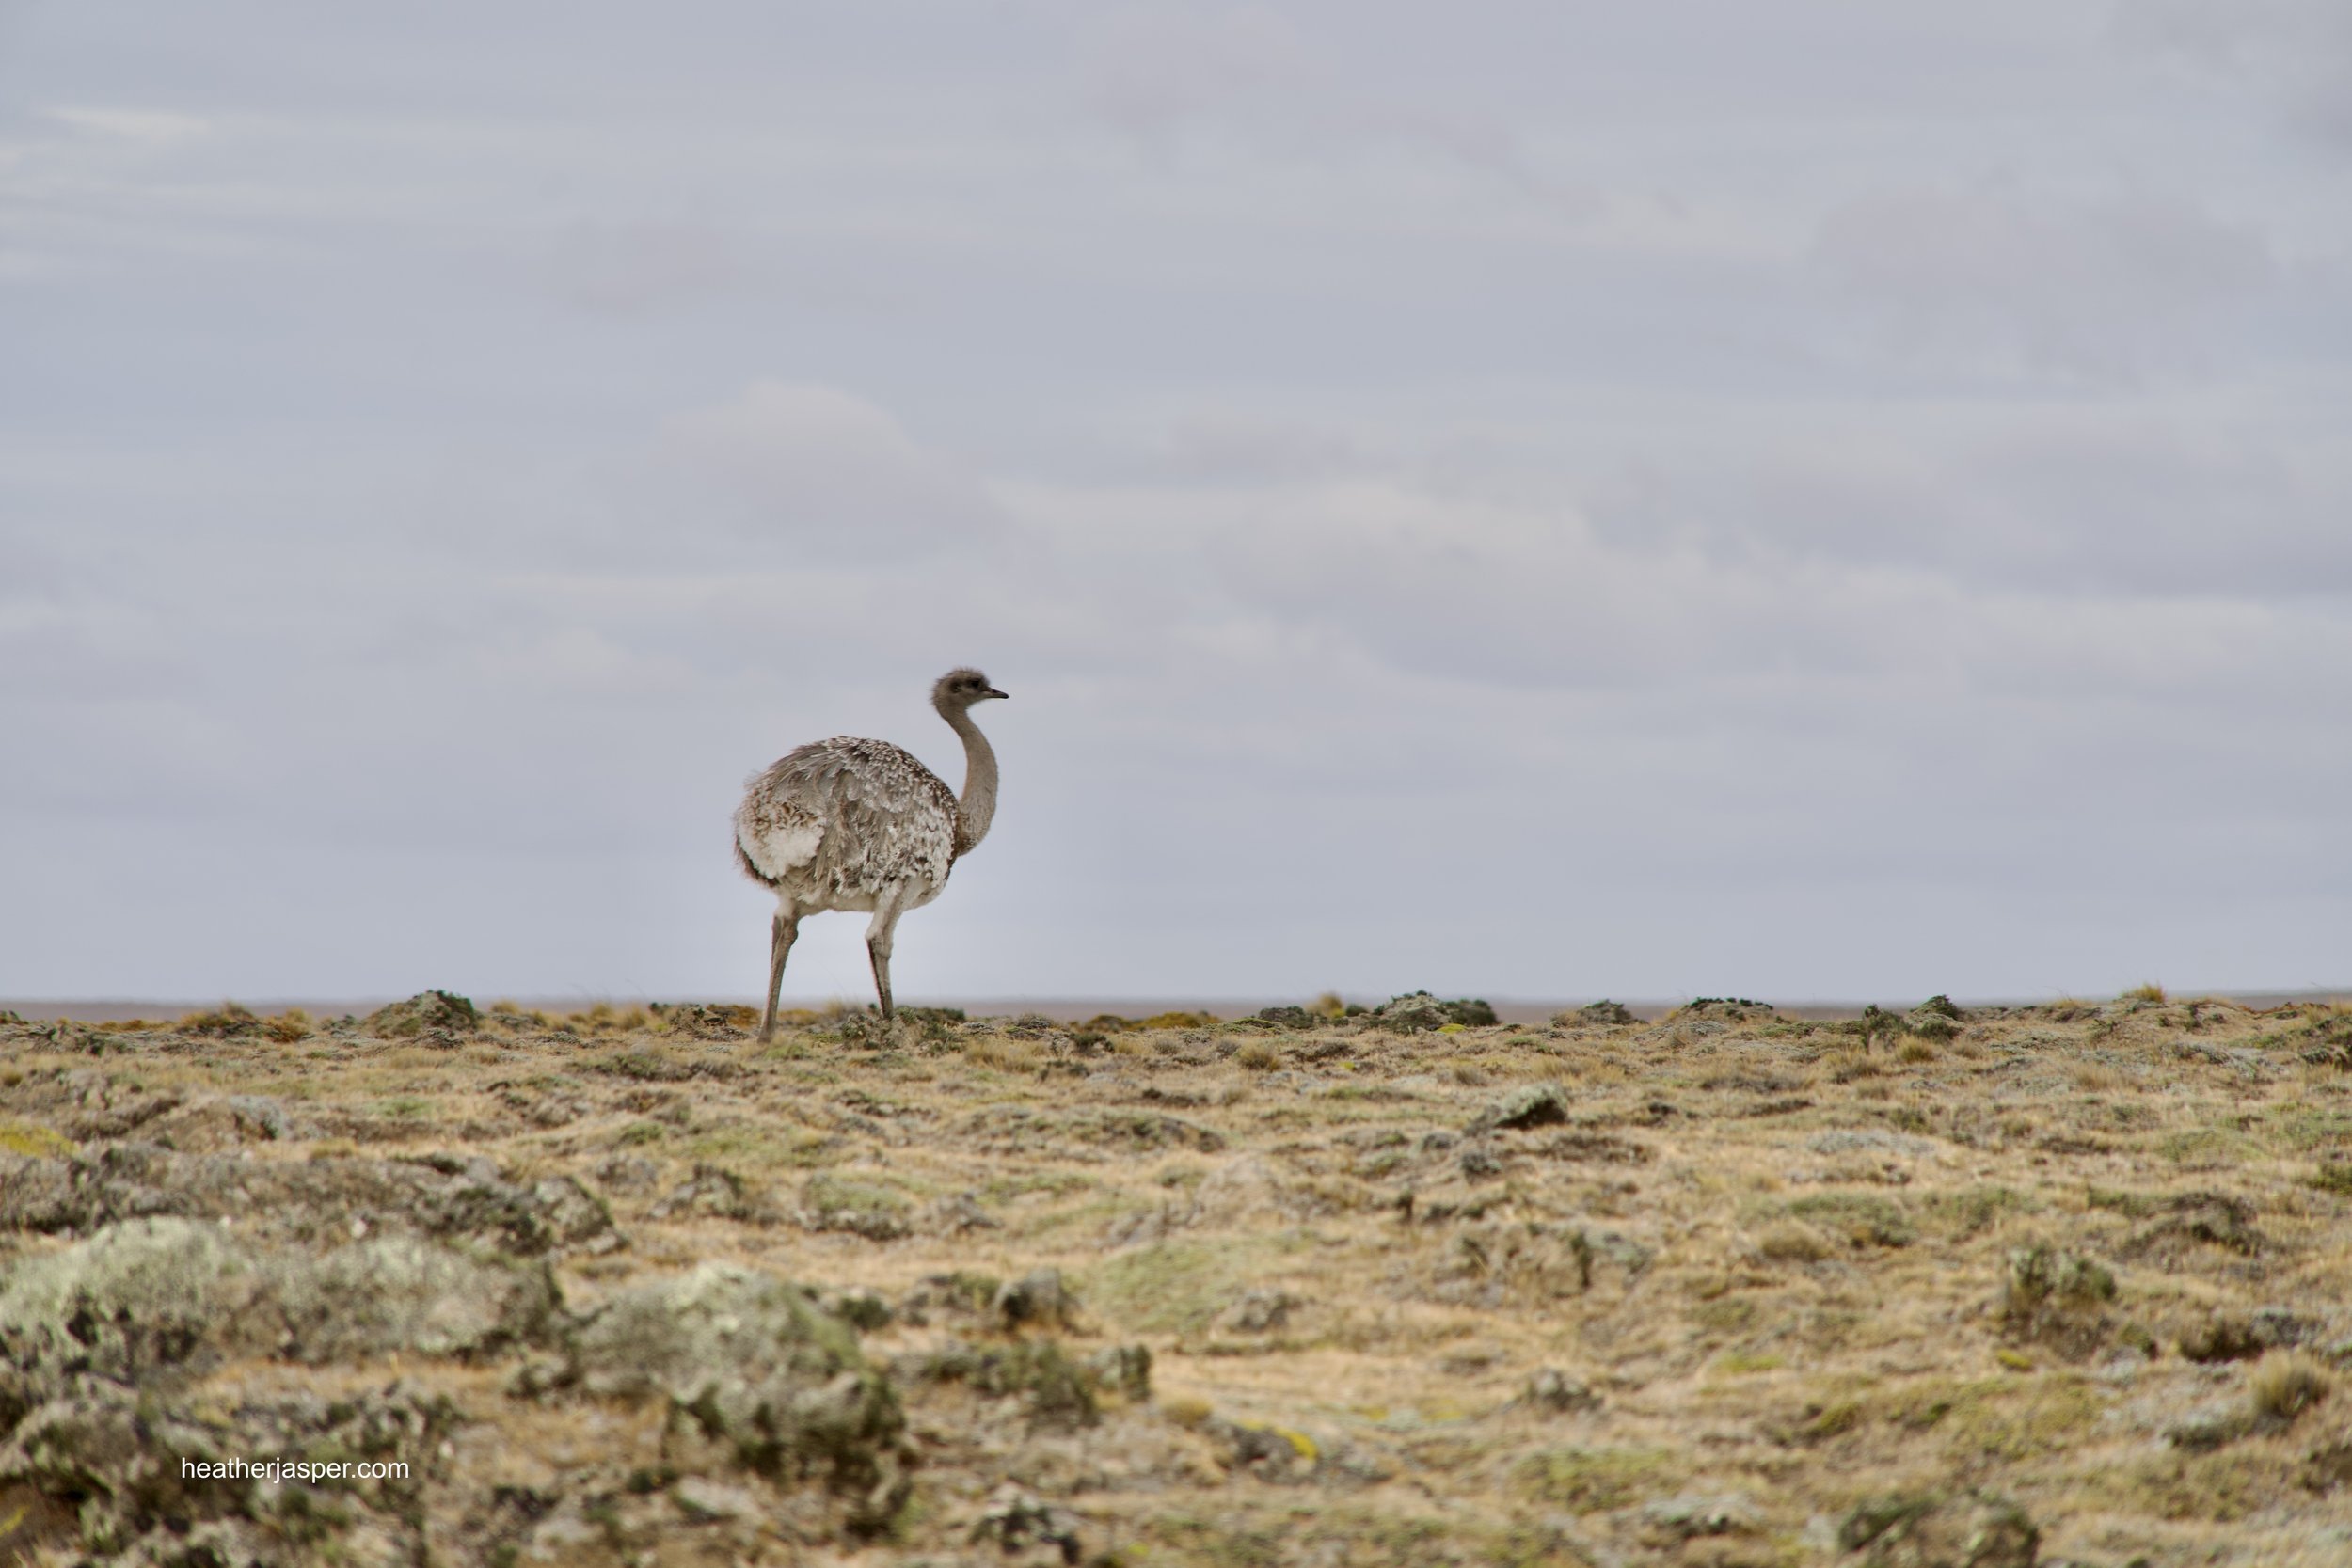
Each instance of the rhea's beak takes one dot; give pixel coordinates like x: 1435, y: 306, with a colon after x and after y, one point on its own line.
x: 992, y: 691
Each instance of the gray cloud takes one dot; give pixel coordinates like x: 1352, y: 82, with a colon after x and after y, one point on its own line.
x: 2117, y: 283
x: 2300, y: 51
x: 821, y: 475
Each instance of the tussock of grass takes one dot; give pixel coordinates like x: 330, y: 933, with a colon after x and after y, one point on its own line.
x: 1003, y: 1052
x: 2284, y: 1385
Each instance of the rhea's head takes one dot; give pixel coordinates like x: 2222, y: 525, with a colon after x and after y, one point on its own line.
x: 958, y: 690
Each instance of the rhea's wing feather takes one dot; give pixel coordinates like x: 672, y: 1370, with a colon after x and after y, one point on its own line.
x: 848, y: 815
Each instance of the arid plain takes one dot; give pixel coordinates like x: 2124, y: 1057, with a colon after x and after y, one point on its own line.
x: 2068, y: 1283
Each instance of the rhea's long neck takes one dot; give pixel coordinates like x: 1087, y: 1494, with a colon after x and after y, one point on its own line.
x: 976, y: 806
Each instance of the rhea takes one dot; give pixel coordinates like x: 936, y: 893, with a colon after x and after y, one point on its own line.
x: 852, y: 824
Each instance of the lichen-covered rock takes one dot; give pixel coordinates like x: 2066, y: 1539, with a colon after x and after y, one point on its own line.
x: 1038, y: 1299
x: 861, y: 1306
x: 305, y: 1201
x: 719, y: 1191
x: 1258, y: 1312
x: 758, y: 1364
x: 1417, y: 1012
x: 1013, y: 1521
x: 1689, y: 1515
x: 128, y: 1476
x: 2059, y: 1299
x: 401, y: 1294
x: 1543, y: 1105
x: 116, y: 1464
x: 141, y: 1301
x: 1054, y: 1390
x: 864, y: 1208
x: 959, y: 1294
x: 438, y: 1017
x: 1929, y: 1023
x: 1125, y: 1369
x: 134, y: 1301
x: 1552, y: 1392
x: 1933, y: 1530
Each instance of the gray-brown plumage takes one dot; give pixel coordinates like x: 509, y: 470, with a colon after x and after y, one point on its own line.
x: 851, y: 824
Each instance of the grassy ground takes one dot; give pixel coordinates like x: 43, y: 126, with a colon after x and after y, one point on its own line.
x: 1710, y: 1290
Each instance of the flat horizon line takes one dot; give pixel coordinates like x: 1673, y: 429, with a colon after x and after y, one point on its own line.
x: 1060, y: 1009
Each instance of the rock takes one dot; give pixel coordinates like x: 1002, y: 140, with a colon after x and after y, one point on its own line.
x: 1013, y: 1521
x: 862, y: 1308
x: 1480, y: 1162
x: 1124, y: 1367
x: 628, y: 1173
x: 435, y: 1017
x: 1258, y: 1312
x: 97, y: 1341
x: 953, y: 1295
x: 305, y: 1201
x: 1036, y: 1300
x: 1554, y: 1392
x: 139, y: 1299
x: 756, y: 1364
x: 2277, y: 1328
x: 831, y: 1202
x: 2223, y: 1336
x: 211, y: 1122
x: 576, y: 1219
x: 1724, y: 1009
x: 1417, y: 1012
x: 718, y: 1192
x: 704, y: 1501
x: 955, y: 1216
x: 2198, y: 1220
x: 1933, y: 1530
x: 702, y: 1021
x: 1543, y: 1105
x: 399, y: 1293
x: 228, y: 1022
x: 1055, y: 1391
x: 1937, y: 1019
x: 1267, y: 1452
x: 2057, y: 1299
x: 117, y: 1466
x: 134, y: 1301
x: 1692, y: 1514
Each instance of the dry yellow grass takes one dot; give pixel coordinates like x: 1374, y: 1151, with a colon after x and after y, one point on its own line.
x: 1396, y: 1316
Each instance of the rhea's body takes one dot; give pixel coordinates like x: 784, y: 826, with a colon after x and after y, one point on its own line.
x: 857, y: 824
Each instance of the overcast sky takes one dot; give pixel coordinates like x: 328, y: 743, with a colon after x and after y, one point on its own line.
x: 1548, y: 499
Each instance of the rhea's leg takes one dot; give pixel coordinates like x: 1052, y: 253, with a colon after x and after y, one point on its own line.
x: 779, y: 938
x: 877, y: 939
